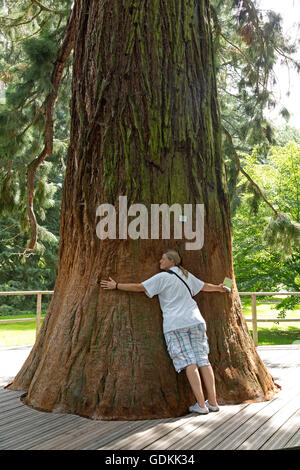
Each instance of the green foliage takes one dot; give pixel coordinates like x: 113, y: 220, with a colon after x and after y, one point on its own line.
x: 267, y: 255
x: 31, y: 37
x: 289, y: 303
x: 248, y: 43
x: 282, y: 234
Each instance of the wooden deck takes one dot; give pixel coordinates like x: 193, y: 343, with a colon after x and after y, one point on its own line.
x: 268, y: 425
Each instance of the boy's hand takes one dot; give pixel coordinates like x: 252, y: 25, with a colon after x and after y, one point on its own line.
x: 222, y: 288
x: 108, y: 284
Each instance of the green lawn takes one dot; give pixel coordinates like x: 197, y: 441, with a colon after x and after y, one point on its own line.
x: 278, y: 335
x: 270, y: 333
x: 19, y: 315
x: 19, y: 333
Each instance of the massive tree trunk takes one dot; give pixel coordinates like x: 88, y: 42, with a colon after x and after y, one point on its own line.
x: 145, y: 123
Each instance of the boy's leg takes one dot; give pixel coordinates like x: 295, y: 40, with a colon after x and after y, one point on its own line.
x: 193, y: 376
x: 207, y: 375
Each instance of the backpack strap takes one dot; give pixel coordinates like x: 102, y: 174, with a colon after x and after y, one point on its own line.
x: 172, y: 272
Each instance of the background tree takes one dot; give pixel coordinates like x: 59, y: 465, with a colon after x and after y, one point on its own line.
x: 249, y: 41
x: 270, y: 253
x: 30, y: 36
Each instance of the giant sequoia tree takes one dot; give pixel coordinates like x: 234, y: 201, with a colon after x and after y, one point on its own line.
x: 145, y: 124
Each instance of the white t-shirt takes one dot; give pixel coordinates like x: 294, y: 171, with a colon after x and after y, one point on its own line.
x: 178, y: 308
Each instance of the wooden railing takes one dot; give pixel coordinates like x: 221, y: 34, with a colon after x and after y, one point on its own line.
x: 254, y: 318
x: 37, y: 318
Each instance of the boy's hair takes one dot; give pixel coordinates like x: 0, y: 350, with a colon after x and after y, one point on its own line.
x: 173, y: 255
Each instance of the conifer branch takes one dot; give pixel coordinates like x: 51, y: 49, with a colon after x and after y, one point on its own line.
x: 241, y: 169
x: 48, y: 106
x: 252, y: 11
x: 218, y: 30
x: 41, y: 26
x: 43, y: 7
x: 13, y: 21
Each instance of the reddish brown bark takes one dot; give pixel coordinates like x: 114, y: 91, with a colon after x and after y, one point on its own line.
x: 145, y: 124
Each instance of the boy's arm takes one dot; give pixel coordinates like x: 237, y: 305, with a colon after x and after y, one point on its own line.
x: 132, y: 287
x: 111, y: 284
x: 213, y: 288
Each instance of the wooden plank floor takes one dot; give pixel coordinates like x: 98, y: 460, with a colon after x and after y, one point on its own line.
x: 268, y: 425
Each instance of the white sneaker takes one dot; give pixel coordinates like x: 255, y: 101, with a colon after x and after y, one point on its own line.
x: 197, y: 409
x: 211, y: 407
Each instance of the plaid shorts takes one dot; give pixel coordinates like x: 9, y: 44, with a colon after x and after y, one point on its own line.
x: 188, y: 346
